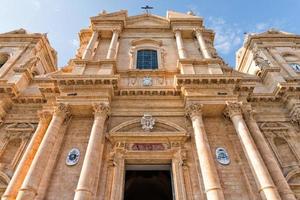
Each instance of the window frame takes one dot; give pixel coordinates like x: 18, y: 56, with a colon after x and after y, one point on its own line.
x: 152, y: 66
x: 146, y: 44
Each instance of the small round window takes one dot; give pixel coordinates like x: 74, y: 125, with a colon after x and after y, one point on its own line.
x: 3, y: 59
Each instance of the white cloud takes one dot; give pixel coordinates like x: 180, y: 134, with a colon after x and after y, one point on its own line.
x: 228, y: 36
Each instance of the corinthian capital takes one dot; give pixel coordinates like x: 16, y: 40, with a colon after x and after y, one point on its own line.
x: 295, y: 116
x: 101, y: 109
x: 194, y: 109
x: 62, y: 109
x: 232, y: 109
x: 45, y: 116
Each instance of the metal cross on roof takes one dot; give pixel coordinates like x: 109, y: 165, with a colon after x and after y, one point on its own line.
x: 147, y: 8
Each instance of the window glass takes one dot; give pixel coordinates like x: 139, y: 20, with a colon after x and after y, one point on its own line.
x: 147, y: 59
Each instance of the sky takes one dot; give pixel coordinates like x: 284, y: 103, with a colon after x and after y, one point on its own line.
x: 230, y: 19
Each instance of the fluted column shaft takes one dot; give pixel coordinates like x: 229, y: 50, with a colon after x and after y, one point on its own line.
x: 113, y: 45
x: 36, y: 171
x: 270, y: 160
x: 93, y: 156
x: 23, y: 166
x: 266, y: 185
x: 202, y: 44
x: 207, y: 166
x: 179, y: 42
x: 89, y: 48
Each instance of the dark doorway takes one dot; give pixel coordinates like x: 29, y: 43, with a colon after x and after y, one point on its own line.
x: 148, y: 185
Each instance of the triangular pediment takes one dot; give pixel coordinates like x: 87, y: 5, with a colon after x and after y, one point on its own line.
x: 147, y: 21
x: 104, y: 16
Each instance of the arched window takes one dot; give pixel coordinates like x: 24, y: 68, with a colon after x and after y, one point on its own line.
x: 147, y: 59
x: 3, y: 59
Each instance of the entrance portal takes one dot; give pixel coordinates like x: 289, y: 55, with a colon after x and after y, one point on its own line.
x: 148, y: 184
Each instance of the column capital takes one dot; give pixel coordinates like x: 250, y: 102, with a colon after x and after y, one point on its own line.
x: 44, y: 116
x: 194, y: 109
x: 295, y: 116
x: 62, y: 109
x: 232, y: 109
x: 116, y: 30
x: 177, y: 31
x: 101, y: 109
x: 249, y: 112
x: 198, y: 31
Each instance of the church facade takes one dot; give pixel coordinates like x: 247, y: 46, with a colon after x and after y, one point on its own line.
x: 148, y: 110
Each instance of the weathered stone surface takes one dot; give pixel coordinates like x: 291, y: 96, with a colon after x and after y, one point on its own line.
x: 192, y: 104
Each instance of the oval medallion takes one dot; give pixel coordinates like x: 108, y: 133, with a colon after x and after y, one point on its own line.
x: 73, y: 157
x: 222, y: 156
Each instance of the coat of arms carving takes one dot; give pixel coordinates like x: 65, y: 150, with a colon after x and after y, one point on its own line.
x: 147, y: 122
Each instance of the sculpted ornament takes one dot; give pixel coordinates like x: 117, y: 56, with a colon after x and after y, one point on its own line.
x: 296, y: 117
x: 222, y: 156
x: 232, y: 109
x: 73, y: 157
x: 147, y: 81
x: 147, y: 122
x: 62, y: 109
x: 193, y: 109
x: 101, y: 109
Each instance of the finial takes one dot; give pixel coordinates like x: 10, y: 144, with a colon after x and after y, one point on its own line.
x: 190, y: 12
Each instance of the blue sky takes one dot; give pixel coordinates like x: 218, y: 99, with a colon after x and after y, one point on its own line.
x: 230, y: 19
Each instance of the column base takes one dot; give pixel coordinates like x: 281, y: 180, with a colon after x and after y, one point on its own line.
x: 27, y: 194
x: 83, y: 194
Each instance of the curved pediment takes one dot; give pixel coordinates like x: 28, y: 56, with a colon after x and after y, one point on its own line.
x: 135, y: 126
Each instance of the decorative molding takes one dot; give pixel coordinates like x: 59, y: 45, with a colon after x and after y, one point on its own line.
x: 147, y: 146
x: 44, y: 116
x: 295, y: 116
x: 146, y: 41
x: 101, y: 109
x: 193, y: 109
x: 62, y: 109
x: 20, y: 127
x: 232, y: 109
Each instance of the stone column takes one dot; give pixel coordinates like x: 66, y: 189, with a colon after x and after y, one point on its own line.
x: 269, y: 158
x: 93, y: 156
x: 23, y: 166
x: 113, y: 45
x: 178, y: 178
x: 89, y: 48
x: 266, y: 185
x: 208, y: 170
x: 180, y: 48
x: 202, y: 44
x: 36, y: 171
x: 117, y: 191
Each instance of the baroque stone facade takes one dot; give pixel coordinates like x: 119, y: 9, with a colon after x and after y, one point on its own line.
x: 148, y: 105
